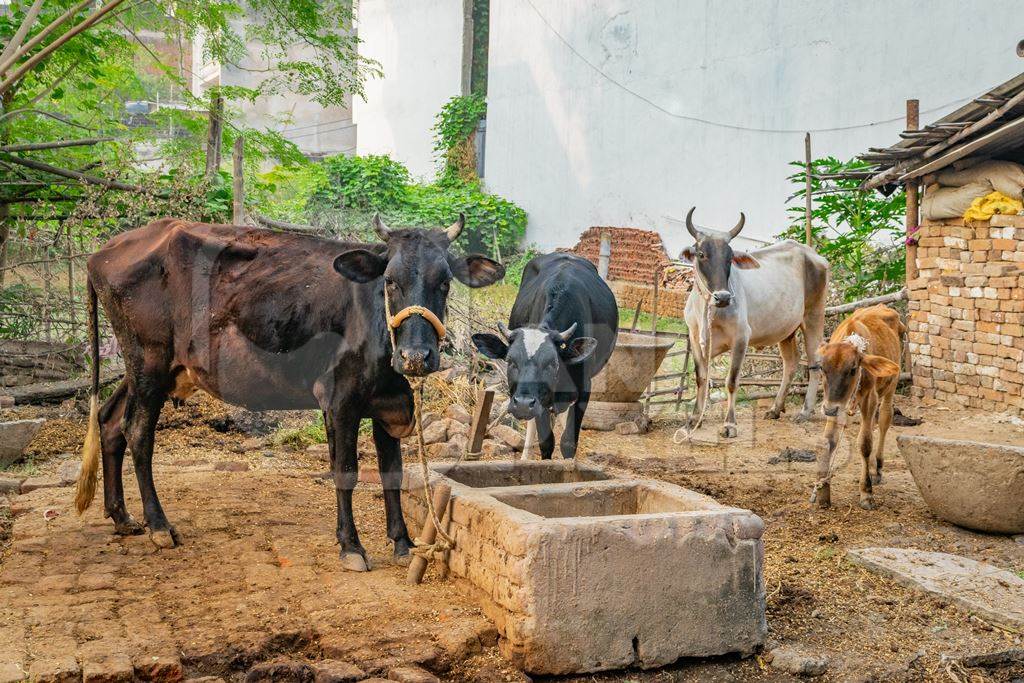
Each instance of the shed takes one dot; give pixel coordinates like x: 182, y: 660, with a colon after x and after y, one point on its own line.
x: 965, y: 276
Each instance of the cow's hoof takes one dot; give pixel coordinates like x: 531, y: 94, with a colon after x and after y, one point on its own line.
x: 354, y: 562
x: 128, y: 527
x: 803, y: 416
x: 867, y: 503
x: 772, y: 414
x: 403, y: 560
x: 165, y: 538
x: 728, y: 432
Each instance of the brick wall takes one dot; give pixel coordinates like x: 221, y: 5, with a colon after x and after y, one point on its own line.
x: 671, y: 302
x: 966, y: 323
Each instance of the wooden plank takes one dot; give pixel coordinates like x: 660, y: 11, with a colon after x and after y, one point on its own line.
x: 864, y: 303
x: 1015, y: 127
x: 481, y: 415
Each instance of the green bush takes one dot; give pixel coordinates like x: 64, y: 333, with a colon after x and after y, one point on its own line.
x: 355, y: 187
x: 367, y: 183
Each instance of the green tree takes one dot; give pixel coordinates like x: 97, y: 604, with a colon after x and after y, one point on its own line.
x: 860, y: 232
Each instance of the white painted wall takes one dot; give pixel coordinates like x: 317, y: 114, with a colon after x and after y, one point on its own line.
x: 418, y: 44
x: 575, y: 149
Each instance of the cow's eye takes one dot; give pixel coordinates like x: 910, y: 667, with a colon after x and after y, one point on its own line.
x: 700, y: 254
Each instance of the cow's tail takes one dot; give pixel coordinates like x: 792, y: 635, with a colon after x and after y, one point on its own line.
x: 91, y: 449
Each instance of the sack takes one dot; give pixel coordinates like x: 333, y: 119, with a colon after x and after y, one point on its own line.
x: 950, y: 202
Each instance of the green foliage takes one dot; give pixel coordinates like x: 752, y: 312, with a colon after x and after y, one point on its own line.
x: 358, y: 186
x: 453, y: 128
x: 301, y: 438
x: 368, y: 183
x: 457, y: 120
x: 860, y: 233
x: 481, y: 36
x: 515, y: 266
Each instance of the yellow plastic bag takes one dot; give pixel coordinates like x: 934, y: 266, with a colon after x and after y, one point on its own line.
x: 983, y: 208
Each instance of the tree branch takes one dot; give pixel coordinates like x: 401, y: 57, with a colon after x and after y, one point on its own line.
x: 39, y: 37
x: 43, y: 54
x: 41, y: 112
x: 75, y: 175
x: 57, y: 144
x: 19, y: 37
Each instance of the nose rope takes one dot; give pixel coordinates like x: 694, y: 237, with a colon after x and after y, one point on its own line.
x: 444, y: 542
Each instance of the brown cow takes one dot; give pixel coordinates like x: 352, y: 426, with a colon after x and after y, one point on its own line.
x: 269, y: 320
x: 861, y: 362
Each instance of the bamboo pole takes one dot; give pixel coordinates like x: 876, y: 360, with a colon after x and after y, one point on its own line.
x: 913, y: 201
x: 71, y: 283
x: 807, y: 189
x: 418, y: 564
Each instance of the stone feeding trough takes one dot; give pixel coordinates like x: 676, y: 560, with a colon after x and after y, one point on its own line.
x: 583, y: 572
x: 616, y: 390
x: 969, y: 483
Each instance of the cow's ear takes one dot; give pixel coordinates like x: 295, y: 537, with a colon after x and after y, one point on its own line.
x: 476, y: 270
x: 490, y: 345
x: 688, y: 255
x: 360, y: 265
x: 744, y: 261
x: 879, y: 367
x: 578, y: 350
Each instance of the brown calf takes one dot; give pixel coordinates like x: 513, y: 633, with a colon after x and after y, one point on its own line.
x: 861, y: 362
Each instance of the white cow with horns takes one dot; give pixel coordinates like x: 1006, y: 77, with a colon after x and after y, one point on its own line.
x: 758, y: 299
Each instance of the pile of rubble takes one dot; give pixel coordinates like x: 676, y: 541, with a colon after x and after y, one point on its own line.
x: 447, y: 436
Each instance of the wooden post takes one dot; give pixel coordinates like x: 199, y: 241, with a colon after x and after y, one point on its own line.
x: 913, y: 201
x: 46, y: 293
x: 213, y: 135
x: 418, y: 565
x: 238, y: 183
x: 530, y: 441
x: 481, y: 416
x: 807, y: 190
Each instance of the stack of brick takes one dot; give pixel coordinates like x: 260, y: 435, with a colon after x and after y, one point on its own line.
x: 636, y: 255
x: 966, y: 322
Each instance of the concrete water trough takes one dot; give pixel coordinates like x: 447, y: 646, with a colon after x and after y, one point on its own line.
x: 583, y: 572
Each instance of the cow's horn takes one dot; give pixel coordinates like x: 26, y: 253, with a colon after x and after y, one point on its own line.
x: 505, y: 332
x: 565, y: 336
x: 739, y: 226
x: 382, y: 230
x: 455, y: 229
x: 689, y: 223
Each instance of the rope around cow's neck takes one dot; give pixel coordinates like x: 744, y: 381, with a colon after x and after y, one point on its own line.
x: 444, y: 542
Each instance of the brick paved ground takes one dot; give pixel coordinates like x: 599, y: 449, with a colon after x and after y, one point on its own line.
x: 257, y: 579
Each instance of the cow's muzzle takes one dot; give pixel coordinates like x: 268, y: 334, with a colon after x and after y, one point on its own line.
x: 416, y: 361
x: 524, y: 407
x: 722, y: 298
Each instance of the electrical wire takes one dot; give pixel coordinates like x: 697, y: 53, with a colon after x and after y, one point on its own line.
x: 719, y: 124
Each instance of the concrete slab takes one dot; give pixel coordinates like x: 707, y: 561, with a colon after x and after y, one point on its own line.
x: 589, y: 573
x: 993, y: 594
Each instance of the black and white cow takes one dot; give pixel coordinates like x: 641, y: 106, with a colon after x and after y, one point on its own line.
x: 561, y: 332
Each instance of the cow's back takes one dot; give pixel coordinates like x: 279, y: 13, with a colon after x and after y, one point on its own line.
x: 879, y: 325
x: 560, y: 289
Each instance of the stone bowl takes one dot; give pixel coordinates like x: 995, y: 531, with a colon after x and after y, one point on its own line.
x: 971, y: 484
x: 631, y: 368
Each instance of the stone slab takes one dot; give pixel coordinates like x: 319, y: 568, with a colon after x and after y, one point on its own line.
x: 993, y: 594
x: 15, y: 437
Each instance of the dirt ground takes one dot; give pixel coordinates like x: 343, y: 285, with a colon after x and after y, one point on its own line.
x: 257, y: 578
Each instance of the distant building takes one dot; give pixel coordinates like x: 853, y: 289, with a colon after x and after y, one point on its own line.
x: 628, y: 112
x: 317, y: 130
